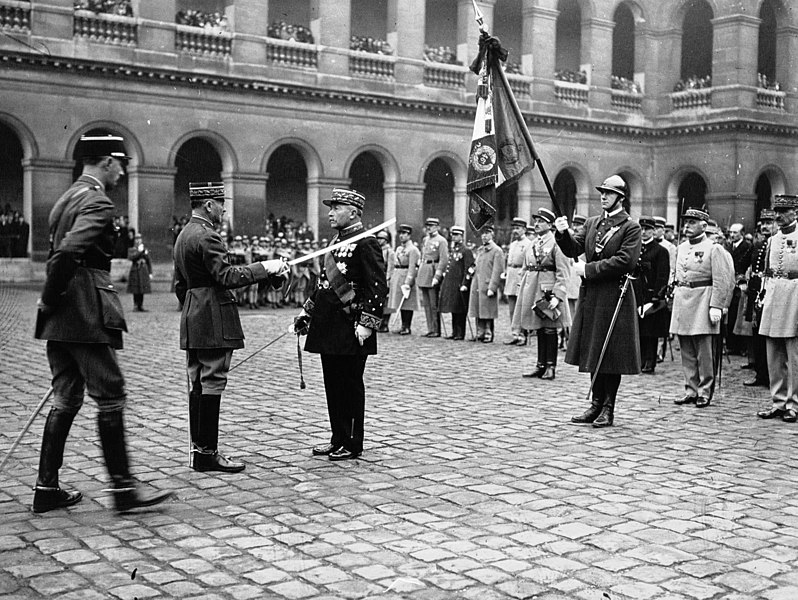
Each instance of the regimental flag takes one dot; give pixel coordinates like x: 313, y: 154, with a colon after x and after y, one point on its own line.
x: 501, y: 149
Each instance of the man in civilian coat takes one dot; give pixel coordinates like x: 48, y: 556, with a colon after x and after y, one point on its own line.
x: 210, y: 328
x: 780, y: 312
x: 341, y: 319
x: 741, y: 251
x: 650, y: 288
x: 702, y: 290
x: 456, y: 281
x: 81, y: 318
x: 434, y: 254
x: 611, y: 245
x: 483, y: 303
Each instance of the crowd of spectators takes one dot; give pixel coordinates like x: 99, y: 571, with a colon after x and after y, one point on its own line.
x: 369, y: 44
x: 14, y: 233
x: 694, y: 82
x: 570, y: 76
x: 215, y: 22
x: 441, y: 54
x: 108, y: 7
x: 766, y: 83
x: 294, y: 33
x: 513, y: 68
x: 626, y: 85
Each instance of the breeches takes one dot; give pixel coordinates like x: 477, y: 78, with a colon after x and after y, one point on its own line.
x: 783, y: 368
x: 78, y: 368
x: 207, y: 369
x: 346, y: 398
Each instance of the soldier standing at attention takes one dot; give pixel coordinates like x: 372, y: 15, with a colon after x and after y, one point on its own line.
x: 402, y: 295
x: 780, y: 312
x: 703, y: 288
x: 456, y: 280
x: 650, y: 288
x: 388, y: 257
x: 483, y: 303
x: 81, y: 318
x: 434, y: 255
x: 512, y: 276
x: 210, y: 328
x: 341, y: 319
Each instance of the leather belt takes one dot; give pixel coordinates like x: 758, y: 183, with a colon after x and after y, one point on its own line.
x: 695, y: 284
x: 401, y: 266
x: 515, y: 266
x: 535, y: 268
x: 784, y: 275
x: 431, y: 262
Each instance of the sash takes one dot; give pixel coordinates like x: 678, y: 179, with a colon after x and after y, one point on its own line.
x: 603, y: 242
x: 338, y: 283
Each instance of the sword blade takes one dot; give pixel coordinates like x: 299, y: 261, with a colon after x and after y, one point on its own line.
x: 341, y: 244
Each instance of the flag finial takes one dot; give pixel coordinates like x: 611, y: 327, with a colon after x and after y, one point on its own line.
x: 478, y: 17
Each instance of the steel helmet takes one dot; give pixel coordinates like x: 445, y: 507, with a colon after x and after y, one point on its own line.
x: 614, y: 183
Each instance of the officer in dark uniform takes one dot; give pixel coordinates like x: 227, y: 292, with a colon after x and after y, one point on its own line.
x: 340, y: 320
x: 81, y: 318
x: 650, y: 288
x: 456, y: 282
x: 210, y: 328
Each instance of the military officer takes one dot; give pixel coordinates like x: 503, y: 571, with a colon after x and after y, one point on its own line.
x: 650, y: 287
x: 456, y: 281
x: 402, y: 296
x: 434, y: 255
x: 388, y: 258
x: 547, y: 272
x: 611, y: 245
x: 703, y: 287
x: 512, y: 276
x: 340, y: 320
x: 210, y: 328
x: 659, y: 237
x: 780, y: 311
x: 483, y: 302
x: 81, y: 318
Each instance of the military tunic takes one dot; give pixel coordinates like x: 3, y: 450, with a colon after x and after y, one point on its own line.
x: 405, y: 270
x: 487, y: 276
x: 434, y: 254
x: 650, y: 287
x: 455, y: 275
x: 515, y: 266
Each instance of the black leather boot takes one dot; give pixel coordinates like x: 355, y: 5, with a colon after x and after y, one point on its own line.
x: 540, y: 366
x: 551, y: 356
x: 206, y: 455
x: 590, y: 415
x: 47, y: 495
x: 607, y: 413
x: 127, y: 492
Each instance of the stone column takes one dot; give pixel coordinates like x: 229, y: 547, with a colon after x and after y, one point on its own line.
x: 731, y: 207
x: 249, y: 207
x: 662, y: 66
x: 461, y: 207
x: 538, y: 45
x: 43, y: 183
x: 467, y: 30
x: 526, y: 209
x: 331, y: 25
x: 251, y: 20
x: 597, y: 41
x: 786, y: 59
x: 405, y: 202
x: 151, y: 194
x: 406, y: 27
x: 319, y: 189
x: 734, y: 62
x: 53, y: 19
x: 157, y: 30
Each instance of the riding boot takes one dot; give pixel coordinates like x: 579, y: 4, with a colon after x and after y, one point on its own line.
x: 596, y: 403
x: 47, y: 495
x: 551, y: 356
x: 407, y: 320
x: 127, y: 492
x: 607, y: 415
x: 206, y: 454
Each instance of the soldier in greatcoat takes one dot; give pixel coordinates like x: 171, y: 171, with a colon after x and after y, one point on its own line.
x: 434, y: 253
x: 341, y: 320
x: 650, y: 287
x: 611, y: 245
x: 384, y: 239
x: 546, y: 273
x: 140, y: 274
x: 483, y: 303
x: 210, y: 328
x: 780, y: 312
x: 81, y: 317
x: 402, y: 295
x: 456, y: 281
x: 512, y: 277
x: 702, y: 290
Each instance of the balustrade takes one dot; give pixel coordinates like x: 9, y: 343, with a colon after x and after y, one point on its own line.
x: 373, y: 66
x: 444, y: 75
x: 15, y: 15
x: 520, y: 84
x: 106, y: 28
x: 689, y: 99
x: 292, y: 54
x: 770, y: 99
x: 624, y: 100
x: 572, y: 93
x: 197, y: 40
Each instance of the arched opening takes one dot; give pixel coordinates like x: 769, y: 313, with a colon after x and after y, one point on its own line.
x: 14, y: 231
x: 286, y: 188
x: 565, y: 191
x: 766, y: 55
x: 764, y: 193
x: 368, y: 178
x: 623, y: 49
x: 440, y: 31
x: 696, y: 65
x: 568, y: 45
x: 692, y: 193
x: 439, y: 192
x: 196, y: 160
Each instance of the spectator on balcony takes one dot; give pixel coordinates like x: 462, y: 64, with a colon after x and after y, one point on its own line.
x: 214, y: 22
x: 441, y: 54
x: 369, y: 44
x: 766, y: 83
x: 694, y: 82
x: 624, y: 84
x: 109, y: 7
x: 294, y: 33
x: 571, y: 76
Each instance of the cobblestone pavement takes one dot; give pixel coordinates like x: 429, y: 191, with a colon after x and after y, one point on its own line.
x: 472, y: 485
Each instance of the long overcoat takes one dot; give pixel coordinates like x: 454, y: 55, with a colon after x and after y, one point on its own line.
x: 488, y: 269
x: 405, y: 268
x: 546, y: 270
x: 515, y: 266
x: 780, y: 305
x: 138, y: 279
x: 651, y: 287
x: 456, y: 275
x: 434, y: 253
x: 203, y: 280
x: 608, y: 261
x: 78, y: 282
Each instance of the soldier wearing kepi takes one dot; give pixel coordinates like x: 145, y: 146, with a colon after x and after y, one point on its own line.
x: 402, y: 296
x: 650, y: 287
x: 483, y: 303
x: 512, y: 277
x: 434, y: 255
x: 340, y: 320
x: 611, y: 245
x: 81, y: 318
x: 210, y: 328
x: 702, y: 290
x: 780, y: 312
x: 456, y: 281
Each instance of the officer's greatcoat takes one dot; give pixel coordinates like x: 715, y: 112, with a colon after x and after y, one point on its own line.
x: 455, y: 276
x: 433, y: 260
x: 780, y: 306
x: 515, y: 266
x: 651, y: 286
x: 488, y: 270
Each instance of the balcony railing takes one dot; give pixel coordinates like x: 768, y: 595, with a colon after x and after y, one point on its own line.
x: 203, y: 42
x: 573, y: 93
x: 770, y: 99
x: 106, y: 28
x: 444, y: 75
x: 373, y: 66
x: 629, y: 101
x: 292, y: 54
x: 15, y: 16
x: 520, y: 84
x: 690, y: 99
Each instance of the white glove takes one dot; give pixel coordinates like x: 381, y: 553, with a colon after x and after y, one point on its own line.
x: 405, y: 291
x: 554, y: 302
x: 715, y: 314
x: 275, y: 266
x: 561, y: 224
x: 362, y: 333
x: 141, y: 248
x: 579, y: 268
x: 463, y: 288
x: 491, y: 293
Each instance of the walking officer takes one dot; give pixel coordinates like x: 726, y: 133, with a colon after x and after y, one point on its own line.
x: 434, y: 255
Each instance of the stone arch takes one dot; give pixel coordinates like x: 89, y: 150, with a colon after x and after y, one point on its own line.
x: 455, y: 162
x: 388, y: 162
x: 132, y: 144
x: 776, y: 176
x: 30, y: 149
x: 222, y: 146
x: 637, y: 189
x: 672, y: 200
x: 678, y: 10
x: 313, y: 161
x: 582, y: 182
